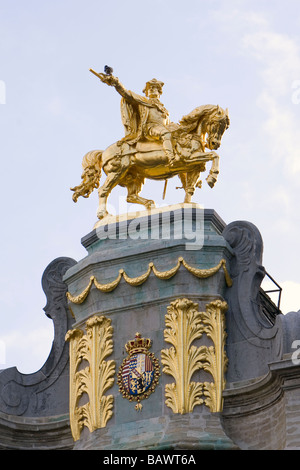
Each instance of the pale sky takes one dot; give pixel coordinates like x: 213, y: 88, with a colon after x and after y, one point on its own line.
x: 244, y: 55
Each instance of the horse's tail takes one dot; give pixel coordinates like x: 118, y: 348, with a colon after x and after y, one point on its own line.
x: 91, y: 174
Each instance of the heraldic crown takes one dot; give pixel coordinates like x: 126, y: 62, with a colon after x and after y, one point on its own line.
x: 138, y: 345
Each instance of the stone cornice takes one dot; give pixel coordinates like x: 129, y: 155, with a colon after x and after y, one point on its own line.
x: 244, y: 398
x: 24, y: 433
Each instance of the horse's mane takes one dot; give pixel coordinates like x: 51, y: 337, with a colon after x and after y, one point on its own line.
x: 198, y: 113
x: 191, y: 120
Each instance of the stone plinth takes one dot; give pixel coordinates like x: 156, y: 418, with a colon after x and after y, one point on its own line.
x: 130, y: 245
x: 136, y: 268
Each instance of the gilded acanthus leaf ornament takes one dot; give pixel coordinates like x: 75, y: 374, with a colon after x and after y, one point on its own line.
x: 216, y: 360
x: 185, y: 325
x: 153, y: 147
x: 93, y: 380
x: 182, y: 359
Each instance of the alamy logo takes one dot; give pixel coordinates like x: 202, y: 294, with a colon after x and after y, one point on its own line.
x: 2, y: 352
x: 2, y: 92
x: 296, y: 354
x: 296, y: 93
x: 187, y: 225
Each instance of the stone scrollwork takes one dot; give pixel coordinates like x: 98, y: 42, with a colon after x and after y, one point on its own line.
x: 93, y: 380
x: 185, y: 324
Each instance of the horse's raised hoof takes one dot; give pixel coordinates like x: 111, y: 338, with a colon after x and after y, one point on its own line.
x: 150, y: 205
x: 211, y: 181
x: 102, y: 213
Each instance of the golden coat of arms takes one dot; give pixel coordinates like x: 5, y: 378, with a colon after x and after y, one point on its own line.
x: 153, y: 147
x: 139, y: 372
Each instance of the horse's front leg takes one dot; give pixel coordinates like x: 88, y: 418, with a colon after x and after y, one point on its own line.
x: 115, y: 170
x: 214, y: 171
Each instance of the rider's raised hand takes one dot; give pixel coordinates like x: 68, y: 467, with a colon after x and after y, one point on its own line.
x: 108, y: 79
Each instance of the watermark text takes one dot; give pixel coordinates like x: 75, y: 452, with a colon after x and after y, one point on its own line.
x: 296, y: 354
x: 2, y: 92
x: 185, y: 224
x: 296, y: 92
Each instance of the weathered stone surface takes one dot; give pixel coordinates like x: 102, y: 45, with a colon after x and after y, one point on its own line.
x: 255, y: 414
x: 193, y: 431
x: 106, y: 257
x: 143, y: 308
x: 24, y: 433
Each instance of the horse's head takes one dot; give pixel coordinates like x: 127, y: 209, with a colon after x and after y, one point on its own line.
x: 209, y: 122
x: 215, y: 125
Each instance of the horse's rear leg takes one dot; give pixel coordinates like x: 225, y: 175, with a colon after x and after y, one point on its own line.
x: 134, y: 186
x: 115, y: 170
x: 189, y: 181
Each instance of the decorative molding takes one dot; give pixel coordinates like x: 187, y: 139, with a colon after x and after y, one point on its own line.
x: 137, y: 281
x: 185, y: 325
x: 182, y: 359
x: 95, y: 379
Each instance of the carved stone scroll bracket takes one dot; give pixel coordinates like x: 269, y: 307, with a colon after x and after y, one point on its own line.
x: 44, y: 392
x: 248, y: 273
x: 185, y: 324
x: 93, y: 380
x: 249, y: 330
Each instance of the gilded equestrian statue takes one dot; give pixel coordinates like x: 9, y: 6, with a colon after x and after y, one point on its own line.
x: 153, y: 147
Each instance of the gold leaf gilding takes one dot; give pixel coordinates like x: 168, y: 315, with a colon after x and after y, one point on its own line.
x: 185, y: 325
x: 95, y: 379
x: 137, y: 281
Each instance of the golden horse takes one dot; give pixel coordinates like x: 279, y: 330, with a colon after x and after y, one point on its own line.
x: 128, y: 165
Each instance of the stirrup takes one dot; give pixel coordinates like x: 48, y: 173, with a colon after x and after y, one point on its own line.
x: 174, y: 161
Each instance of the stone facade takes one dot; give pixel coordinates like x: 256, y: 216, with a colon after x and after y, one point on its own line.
x: 261, y: 397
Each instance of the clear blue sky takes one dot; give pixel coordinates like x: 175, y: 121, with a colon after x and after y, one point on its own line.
x: 244, y: 55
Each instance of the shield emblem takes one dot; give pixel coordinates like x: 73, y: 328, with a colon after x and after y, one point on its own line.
x: 139, y: 372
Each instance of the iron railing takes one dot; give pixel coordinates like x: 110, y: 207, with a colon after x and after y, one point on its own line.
x: 278, y: 289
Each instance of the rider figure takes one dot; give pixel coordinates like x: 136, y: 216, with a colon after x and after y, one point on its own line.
x: 144, y: 117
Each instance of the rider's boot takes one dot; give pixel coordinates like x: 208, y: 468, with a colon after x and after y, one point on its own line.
x: 168, y: 148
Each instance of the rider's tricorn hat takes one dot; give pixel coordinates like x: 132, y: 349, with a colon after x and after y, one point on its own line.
x: 151, y: 83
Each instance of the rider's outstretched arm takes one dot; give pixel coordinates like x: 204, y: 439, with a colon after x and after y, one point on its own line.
x: 114, y: 81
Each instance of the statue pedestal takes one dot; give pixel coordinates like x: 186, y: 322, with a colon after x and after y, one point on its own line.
x: 172, y: 344
x: 152, y: 273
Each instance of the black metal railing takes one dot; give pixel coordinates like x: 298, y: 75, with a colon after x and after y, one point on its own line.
x: 278, y: 289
